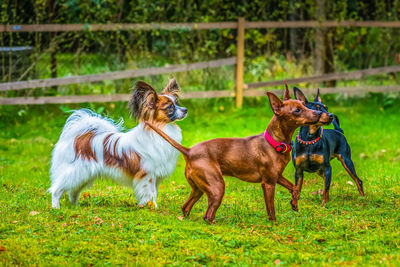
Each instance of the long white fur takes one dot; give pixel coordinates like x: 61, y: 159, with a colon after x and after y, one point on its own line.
x: 71, y: 174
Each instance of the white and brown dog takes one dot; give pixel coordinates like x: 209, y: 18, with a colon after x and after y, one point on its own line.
x: 91, y: 147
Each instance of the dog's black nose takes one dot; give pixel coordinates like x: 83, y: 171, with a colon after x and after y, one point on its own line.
x: 331, y: 116
x: 184, y: 110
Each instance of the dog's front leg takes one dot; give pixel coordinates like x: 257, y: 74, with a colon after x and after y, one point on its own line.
x: 146, y: 192
x: 269, y: 193
x: 292, y: 189
x: 298, y: 177
x: 328, y: 178
x: 286, y: 183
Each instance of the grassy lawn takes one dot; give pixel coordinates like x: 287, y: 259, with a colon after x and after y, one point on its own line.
x: 109, y: 228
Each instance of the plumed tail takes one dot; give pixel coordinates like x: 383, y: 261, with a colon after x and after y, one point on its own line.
x: 336, y: 124
x: 179, y: 147
x: 84, y: 120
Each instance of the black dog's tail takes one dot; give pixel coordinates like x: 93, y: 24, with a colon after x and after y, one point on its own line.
x: 336, y: 124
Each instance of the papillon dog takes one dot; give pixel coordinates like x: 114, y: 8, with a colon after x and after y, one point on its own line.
x: 92, y: 147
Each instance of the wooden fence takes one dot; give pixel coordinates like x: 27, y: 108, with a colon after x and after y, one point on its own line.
x: 241, y: 89
x: 114, y: 75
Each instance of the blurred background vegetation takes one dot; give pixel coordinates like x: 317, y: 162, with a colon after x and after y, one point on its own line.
x: 269, y: 53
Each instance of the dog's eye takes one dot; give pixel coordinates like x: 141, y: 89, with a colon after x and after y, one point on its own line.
x: 297, y: 110
x: 169, y: 108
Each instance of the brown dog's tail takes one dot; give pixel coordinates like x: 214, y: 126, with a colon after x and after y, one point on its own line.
x: 179, y: 147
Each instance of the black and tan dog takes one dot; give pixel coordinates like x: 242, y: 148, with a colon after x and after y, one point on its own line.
x: 315, y: 147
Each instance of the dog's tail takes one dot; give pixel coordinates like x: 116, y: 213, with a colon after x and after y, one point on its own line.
x: 84, y: 120
x: 336, y: 124
x: 179, y: 147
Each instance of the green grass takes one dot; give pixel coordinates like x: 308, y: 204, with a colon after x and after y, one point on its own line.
x: 108, y: 228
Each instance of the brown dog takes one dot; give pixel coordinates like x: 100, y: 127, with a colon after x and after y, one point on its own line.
x: 252, y: 159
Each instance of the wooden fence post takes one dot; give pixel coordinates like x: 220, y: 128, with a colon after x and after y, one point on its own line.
x: 240, y: 63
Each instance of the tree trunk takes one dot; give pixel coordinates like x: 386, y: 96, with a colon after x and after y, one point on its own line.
x: 53, y: 51
x: 324, y: 61
x: 293, y: 33
x: 319, y: 56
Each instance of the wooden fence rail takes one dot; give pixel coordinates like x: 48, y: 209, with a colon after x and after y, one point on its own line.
x: 350, y: 91
x: 350, y: 75
x: 100, y: 98
x: 322, y: 24
x: 192, y: 26
x: 192, y: 95
x: 116, y: 75
x: 116, y: 27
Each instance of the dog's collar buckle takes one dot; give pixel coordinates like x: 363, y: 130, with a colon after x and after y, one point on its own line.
x: 280, y: 147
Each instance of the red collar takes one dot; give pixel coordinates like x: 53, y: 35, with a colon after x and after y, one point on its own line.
x: 279, y: 147
x: 312, y: 141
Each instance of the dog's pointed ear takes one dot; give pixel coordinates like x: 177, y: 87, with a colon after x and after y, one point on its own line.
x: 318, y: 97
x: 298, y: 94
x: 172, y: 88
x: 286, y: 94
x: 147, y: 93
x: 275, y: 102
x: 144, y: 99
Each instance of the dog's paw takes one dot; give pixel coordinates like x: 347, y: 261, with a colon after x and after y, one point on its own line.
x: 295, y: 207
x: 209, y: 221
x: 151, y: 204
